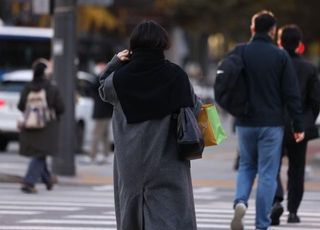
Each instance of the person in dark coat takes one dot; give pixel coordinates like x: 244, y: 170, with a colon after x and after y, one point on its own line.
x: 152, y: 184
x: 272, y: 85
x: 39, y: 143
x: 102, y: 113
x: 289, y: 37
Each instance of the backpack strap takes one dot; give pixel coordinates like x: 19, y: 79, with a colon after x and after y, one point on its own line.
x: 240, y: 50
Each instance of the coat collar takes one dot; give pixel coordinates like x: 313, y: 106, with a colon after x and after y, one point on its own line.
x: 293, y: 54
x: 262, y: 37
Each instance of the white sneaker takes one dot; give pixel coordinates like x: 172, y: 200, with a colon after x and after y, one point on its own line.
x: 270, y: 228
x: 239, y: 212
x: 86, y: 160
x: 101, y: 159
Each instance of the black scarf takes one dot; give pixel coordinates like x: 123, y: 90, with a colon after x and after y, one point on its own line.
x: 150, y: 87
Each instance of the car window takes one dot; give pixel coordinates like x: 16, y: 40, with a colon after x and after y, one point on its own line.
x: 9, y: 86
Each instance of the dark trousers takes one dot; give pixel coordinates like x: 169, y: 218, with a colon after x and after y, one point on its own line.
x: 37, y: 170
x: 296, y: 153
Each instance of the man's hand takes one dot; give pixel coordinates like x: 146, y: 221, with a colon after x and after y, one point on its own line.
x: 123, y: 55
x: 298, y: 136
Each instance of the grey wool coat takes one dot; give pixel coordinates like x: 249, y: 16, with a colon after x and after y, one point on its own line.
x: 152, y: 186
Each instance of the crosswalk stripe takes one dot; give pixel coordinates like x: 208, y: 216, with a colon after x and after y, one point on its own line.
x: 52, y: 208
x: 36, y: 227
x: 93, y: 217
x: 250, y: 217
x: 83, y: 193
x: 217, y: 226
x: 78, y: 204
x: 93, y: 209
x: 56, y: 197
x: 103, y: 188
x: 7, y: 212
x: 78, y: 222
x: 204, y: 190
x: 313, y: 222
x: 228, y: 212
x: 205, y: 197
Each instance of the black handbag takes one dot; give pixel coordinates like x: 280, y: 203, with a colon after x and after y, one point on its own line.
x: 189, y: 137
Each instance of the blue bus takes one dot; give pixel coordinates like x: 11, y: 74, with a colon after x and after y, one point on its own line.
x: 20, y: 46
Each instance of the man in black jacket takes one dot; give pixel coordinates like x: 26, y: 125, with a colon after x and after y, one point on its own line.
x: 272, y: 85
x: 289, y: 37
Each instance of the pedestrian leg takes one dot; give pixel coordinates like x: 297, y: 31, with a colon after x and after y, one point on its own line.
x: 269, y: 154
x: 33, y: 175
x: 46, y: 176
x: 246, y: 173
x: 296, y: 171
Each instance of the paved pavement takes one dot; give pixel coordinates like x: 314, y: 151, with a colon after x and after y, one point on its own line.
x: 85, y: 201
x: 72, y: 207
x: 215, y: 169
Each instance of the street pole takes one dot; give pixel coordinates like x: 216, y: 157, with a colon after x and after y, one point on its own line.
x: 64, y: 47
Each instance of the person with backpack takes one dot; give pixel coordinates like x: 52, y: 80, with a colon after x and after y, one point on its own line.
x: 270, y: 86
x: 41, y: 105
x: 290, y: 37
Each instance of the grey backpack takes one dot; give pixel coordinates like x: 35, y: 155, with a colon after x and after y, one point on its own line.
x: 37, y: 113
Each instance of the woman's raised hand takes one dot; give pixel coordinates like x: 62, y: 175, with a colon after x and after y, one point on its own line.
x: 123, y: 55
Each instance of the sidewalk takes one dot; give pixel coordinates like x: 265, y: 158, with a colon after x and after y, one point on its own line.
x: 214, y: 170
x: 13, y: 168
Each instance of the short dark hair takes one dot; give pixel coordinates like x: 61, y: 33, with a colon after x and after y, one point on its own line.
x: 290, y: 36
x: 149, y: 35
x: 263, y: 21
x: 39, y: 66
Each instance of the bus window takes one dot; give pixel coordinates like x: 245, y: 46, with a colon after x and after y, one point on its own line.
x: 20, y: 46
x: 19, y: 53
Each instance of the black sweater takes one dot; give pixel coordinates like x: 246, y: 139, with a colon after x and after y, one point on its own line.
x: 273, y: 85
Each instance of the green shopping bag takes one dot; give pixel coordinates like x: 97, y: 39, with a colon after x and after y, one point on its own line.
x: 210, y: 125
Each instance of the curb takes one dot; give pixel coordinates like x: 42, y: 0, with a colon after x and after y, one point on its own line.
x: 61, y: 180
x: 7, y: 178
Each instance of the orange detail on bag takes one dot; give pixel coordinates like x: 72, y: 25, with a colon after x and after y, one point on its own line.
x: 210, y: 125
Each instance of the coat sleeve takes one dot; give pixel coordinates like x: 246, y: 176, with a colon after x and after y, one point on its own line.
x: 291, y: 94
x: 197, y: 103
x: 106, y: 89
x: 313, y: 93
x: 23, y: 99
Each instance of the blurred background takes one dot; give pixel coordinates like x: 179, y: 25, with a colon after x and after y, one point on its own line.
x: 202, y: 31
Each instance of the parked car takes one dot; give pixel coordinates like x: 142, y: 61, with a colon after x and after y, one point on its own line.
x: 10, y: 87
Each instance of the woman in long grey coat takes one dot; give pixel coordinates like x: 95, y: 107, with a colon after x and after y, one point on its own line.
x: 39, y: 143
x: 152, y: 184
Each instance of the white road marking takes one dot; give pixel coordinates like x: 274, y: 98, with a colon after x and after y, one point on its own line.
x: 7, y: 212
x: 77, y: 222
x: 51, y: 208
x: 36, y: 227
